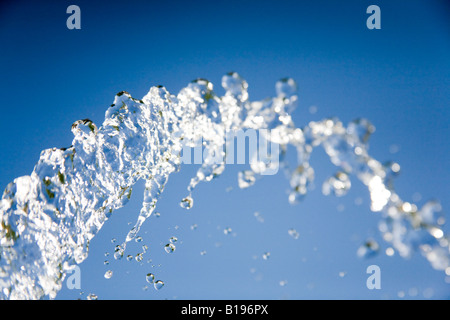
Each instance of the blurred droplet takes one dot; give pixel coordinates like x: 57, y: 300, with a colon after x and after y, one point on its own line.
x: 246, y: 179
x: 369, y: 249
x: 293, y: 233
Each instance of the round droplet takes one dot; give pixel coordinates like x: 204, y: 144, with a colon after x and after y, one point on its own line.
x: 138, y: 239
x: 129, y: 257
x: 266, y: 255
x: 158, y: 284
x: 173, y: 239
x: 187, y: 202
x: 118, y: 254
x: 108, y: 274
x: 150, y: 278
x: 106, y: 262
x: 139, y: 257
x: 169, y: 247
x: 227, y: 230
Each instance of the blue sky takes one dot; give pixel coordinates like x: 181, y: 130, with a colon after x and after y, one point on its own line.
x: 397, y: 77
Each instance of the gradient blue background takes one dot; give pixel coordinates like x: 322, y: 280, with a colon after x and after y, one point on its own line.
x: 397, y: 77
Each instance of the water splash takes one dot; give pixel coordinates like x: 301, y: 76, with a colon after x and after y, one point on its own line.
x: 48, y: 218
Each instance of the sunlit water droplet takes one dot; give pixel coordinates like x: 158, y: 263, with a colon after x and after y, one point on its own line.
x: 92, y: 296
x: 246, y: 179
x: 173, y: 239
x: 169, y: 248
x: 150, y: 278
x: 108, y: 274
x: 227, y: 230
x: 139, y: 257
x: 158, y: 284
x: 187, y: 202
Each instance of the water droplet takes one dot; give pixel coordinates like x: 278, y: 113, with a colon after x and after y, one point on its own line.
x: 342, y: 274
x: 227, y: 230
x: 158, y: 284
x: 150, y: 278
x: 312, y: 109
x: 108, y: 274
x: 194, y: 226
x: 139, y: 257
x: 369, y: 249
x: 138, y: 239
x: 202, y: 253
x: 118, y: 254
x: 339, y: 184
x: 106, y: 262
x: 129, y: 257
x: 259, y: 217
x: 187, y: 202
x: 283, y: 283
x: 293, y: 233
x: 144, y: 248
x: 92, y: 296
x: 246, y: 179
x: 266, y: 255
x: 170, y: 247
x: 113, y: 240
x: 173, y: 239
x: 157, y: 214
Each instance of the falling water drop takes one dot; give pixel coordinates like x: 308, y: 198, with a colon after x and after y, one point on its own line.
x: 187, y: 202
x: 293, y: 233
x: 150, y: 278
x: 139, y: 257
x: 173, y: 239
x: 158, y: 284
x: 170, y: 247
x: 246, y: 179
x: 108, y: 274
